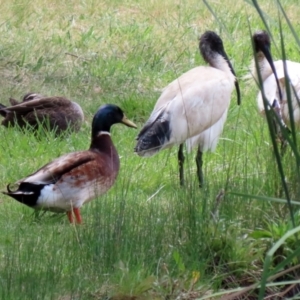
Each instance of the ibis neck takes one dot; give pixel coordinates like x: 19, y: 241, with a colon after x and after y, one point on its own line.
x: 219, y: 62
x: 263, y: 65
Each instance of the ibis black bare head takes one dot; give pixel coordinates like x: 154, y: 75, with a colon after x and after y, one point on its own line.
x: 212, y: 45
x: 262, y: 43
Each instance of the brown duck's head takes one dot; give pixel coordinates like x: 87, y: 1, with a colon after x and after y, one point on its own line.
x: 32, y: 96
x: 27, y: 97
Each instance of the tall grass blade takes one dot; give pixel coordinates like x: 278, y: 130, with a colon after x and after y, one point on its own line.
x: 292, y: 142
x: 264, y: 198
x: 263, y: 18
x: 289, y: 23
x: 287, y: 261
x: 287, y: 86
x: 268, y: 259
x: 290, y: 94
x: 233, y: 294
x: 270, y: 119
x: 218, y: 19
x: 270, y: 116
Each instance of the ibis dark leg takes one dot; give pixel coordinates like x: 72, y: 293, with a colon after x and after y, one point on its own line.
x: 199, y: 163
x: 280, y: 137
x: 277, y: 128
x: 180, y: 164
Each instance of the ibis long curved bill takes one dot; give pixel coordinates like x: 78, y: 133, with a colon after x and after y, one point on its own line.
x: 236, y: 83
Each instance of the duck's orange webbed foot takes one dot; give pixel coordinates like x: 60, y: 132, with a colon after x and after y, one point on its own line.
x: 77, y: 216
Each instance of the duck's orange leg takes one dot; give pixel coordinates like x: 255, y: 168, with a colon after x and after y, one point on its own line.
x: 70, y: 216
x: 77, y: 215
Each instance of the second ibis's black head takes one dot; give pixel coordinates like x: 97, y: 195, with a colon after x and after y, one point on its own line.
x: 262, y: 43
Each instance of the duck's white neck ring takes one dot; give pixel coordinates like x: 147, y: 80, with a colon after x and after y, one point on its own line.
x: 102, y: 133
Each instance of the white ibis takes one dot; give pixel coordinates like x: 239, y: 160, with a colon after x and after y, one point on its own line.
x: 273, y: 77
x: 193, y: 108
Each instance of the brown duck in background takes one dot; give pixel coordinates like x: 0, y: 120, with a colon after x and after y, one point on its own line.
x: 56, y: 113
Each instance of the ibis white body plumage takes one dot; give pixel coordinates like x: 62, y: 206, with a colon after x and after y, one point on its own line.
x: 193, y: 108
x: 208, y: 139
x: 272, y: 92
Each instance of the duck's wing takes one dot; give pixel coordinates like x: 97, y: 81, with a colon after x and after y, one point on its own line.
x: 53, y: 171
x: 36, y: 104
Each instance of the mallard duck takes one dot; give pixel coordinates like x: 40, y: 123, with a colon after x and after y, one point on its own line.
x: 56, y: 113
x: 70, y: 181
x: 193, y: 108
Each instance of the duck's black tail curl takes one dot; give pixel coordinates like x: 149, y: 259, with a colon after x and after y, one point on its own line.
x: 27, y: 193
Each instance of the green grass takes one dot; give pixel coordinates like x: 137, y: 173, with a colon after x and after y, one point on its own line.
x: 146, y: 238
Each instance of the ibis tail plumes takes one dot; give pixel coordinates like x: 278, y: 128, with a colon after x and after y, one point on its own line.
x: 193, y: 108
x: 273, y: 77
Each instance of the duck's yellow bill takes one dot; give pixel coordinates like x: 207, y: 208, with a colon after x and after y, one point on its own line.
x: 128, y: 122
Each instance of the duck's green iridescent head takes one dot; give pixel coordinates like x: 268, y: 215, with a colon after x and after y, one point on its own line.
x: 106, y: 116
